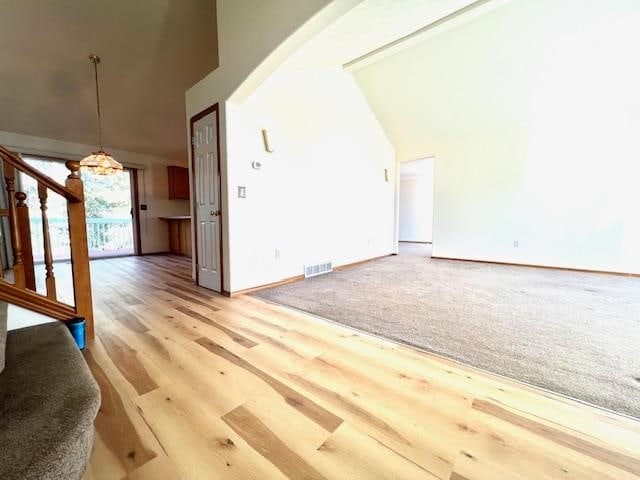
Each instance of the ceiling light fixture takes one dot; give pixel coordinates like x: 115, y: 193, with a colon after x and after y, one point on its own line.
x: 99, y: 162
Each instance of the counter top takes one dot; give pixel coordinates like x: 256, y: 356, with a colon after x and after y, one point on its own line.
x: 176, y: 217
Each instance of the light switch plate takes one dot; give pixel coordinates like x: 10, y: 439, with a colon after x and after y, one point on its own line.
x: 242, y: 192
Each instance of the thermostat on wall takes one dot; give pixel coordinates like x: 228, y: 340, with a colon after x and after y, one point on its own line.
x: 256, y: 165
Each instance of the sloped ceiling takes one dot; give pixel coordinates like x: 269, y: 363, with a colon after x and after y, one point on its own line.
x: 368, y: 26
x: 152, y: 51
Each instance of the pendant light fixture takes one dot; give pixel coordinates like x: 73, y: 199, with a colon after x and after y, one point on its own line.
x: 99, y: 162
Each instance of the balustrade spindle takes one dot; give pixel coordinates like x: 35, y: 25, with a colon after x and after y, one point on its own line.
x: 50, y: 279
x: 18, y: 266
x: 4, y: 212
x: 24, y: 228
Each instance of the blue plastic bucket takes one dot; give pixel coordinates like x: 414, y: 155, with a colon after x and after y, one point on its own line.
x: 76, y: 327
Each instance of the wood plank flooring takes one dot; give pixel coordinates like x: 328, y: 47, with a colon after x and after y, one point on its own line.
x: 199, y: 386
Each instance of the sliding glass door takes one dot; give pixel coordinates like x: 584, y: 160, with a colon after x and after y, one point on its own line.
x: 108, y: 204
x: 109, y: 214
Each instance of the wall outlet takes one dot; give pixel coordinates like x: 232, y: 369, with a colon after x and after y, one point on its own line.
x: 277, y: 253
x: 242, y: 192
x: 516, y: 243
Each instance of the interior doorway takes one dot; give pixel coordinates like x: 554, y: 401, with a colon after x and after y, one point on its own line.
x: 205, y: 155
x: 416, y: 204
x: 111, y: 226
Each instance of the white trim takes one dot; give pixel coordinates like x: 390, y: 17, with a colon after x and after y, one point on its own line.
x: 64, y: 156
x: 45, y: 153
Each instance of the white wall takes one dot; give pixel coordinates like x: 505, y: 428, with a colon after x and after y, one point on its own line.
x: 416, y: 204
x: 249, y: 50
x: 533, y: 111
x: 152, y: 182
x: 321, y: 195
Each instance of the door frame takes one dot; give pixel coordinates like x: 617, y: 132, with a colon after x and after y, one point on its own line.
x: 135, y: 198
x: 398, y: 181
x: 194, y: 222
x: 135, y: 207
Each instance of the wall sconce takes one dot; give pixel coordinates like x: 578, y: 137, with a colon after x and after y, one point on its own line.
x: 265, y: 140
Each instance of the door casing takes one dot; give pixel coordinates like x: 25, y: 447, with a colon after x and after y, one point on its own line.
x: 135, y: 207
x: 194, y: 221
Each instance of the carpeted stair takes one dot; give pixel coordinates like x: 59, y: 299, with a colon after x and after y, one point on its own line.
x: 48, y: 402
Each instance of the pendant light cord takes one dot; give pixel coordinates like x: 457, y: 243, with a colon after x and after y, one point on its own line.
x: 95, y: 60
x: 99, y: 162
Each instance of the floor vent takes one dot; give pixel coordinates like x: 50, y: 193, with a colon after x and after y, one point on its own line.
x: 315, y: 270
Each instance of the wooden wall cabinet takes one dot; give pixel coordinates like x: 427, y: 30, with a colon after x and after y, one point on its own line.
x: 178, y: 183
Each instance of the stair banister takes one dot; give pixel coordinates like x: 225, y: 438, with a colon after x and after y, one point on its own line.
x: 22, y: 291
x: 16, y: 162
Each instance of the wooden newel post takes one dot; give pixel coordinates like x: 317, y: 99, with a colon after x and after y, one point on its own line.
x: 22, y: 211
x: 16, y: 246
x: 79, y: 248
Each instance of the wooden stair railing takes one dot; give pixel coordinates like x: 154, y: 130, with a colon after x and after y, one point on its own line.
x: 22, y: 291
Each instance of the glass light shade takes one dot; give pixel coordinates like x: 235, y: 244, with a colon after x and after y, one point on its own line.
x: 101, y: 163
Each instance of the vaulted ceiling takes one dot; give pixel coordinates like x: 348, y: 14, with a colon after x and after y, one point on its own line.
x: 368, y: 26
x: 152, y: 51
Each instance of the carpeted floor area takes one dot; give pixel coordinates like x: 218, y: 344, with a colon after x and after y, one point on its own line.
x: 573, y: 333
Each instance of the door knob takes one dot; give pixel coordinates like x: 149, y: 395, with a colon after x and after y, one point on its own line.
x: 215, y: 213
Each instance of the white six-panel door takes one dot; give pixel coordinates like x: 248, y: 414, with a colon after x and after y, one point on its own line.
x: 207, y: 199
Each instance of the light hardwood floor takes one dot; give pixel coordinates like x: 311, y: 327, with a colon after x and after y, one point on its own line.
x: 200, y: 386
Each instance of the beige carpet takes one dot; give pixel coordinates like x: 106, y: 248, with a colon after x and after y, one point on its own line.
x: 570, y: 332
